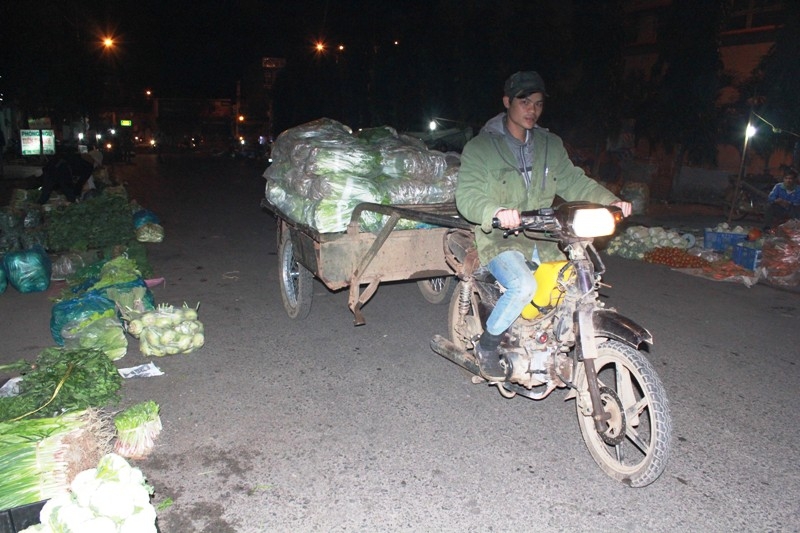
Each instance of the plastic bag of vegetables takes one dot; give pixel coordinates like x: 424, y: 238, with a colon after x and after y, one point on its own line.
x: 105, y: 334
x: 113, y: 497
x: 29, y: 270
x: 150, y: 233
x: 84, y: 308
x: 167, y: 330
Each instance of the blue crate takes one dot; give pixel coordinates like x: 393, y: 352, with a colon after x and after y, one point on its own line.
x: 746, y: 256
x: 720, y: 241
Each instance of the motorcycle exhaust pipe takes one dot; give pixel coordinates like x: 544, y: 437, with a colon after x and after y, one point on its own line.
x: 450, y: 351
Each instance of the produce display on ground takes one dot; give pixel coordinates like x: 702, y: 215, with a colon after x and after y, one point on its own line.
x: 55, y: 418
x: 321, y: 171
x: 724, y: 253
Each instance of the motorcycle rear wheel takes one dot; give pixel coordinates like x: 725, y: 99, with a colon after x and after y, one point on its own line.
x: 463, y: 328
x: 636, y: 447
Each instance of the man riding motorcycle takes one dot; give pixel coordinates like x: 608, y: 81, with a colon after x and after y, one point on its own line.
x: 513, y: 165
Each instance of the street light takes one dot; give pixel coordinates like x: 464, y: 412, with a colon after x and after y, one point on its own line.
x: 749, y: 131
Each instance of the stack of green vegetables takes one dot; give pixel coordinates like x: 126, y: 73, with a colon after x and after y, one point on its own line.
x: 35, y: 456
x: 104, y: 220
x: 61, y: 380
x: 114, y: 497
x: 167, y: 330
x: 636, y: 241
x: 321, y: 171
x: 137, y: 429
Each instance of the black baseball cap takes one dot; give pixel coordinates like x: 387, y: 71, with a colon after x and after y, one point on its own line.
x: 524, y: 83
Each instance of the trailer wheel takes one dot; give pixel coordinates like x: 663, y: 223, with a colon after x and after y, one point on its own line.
x: 295, y: 279
x: 437, y: 290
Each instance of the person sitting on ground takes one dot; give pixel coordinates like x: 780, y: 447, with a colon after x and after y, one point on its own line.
x: 784, y: 200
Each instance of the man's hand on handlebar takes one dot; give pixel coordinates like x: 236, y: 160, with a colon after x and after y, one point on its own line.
x: 509, y: 218
x: 626, y: 207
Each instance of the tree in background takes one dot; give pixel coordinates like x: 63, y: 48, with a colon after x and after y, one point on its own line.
x: 772, y: 92
x: 678, y: 111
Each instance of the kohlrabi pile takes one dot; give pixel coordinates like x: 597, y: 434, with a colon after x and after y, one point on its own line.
x: 636, y: 241
x: 167, y: 330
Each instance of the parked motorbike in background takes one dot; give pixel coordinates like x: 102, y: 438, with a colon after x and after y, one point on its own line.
x: 567, y: 339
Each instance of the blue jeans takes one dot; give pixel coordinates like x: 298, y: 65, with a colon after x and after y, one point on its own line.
x: 514, y: 274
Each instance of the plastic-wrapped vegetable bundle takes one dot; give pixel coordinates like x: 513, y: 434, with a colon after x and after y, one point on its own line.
x: 167, y: 330
x: 295, y: 206
x: 150, y: 233
x: 411, y: 191
x: 87, y: 307
x: 351, y: 158
x: 333, y: 212
x: 287, y: 142
x: 28, y: 270
x: 104, y: 334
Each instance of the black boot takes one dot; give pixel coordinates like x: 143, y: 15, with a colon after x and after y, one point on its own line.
x: 487, y: 354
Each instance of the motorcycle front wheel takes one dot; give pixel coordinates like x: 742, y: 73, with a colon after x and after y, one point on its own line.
x: 635, y: 448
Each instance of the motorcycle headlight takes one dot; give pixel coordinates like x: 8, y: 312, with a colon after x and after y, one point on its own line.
x: 592, y: 222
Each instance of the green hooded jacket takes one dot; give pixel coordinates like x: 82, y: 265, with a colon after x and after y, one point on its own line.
x: 490, y: 179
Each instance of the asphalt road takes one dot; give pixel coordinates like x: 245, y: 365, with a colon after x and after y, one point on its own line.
x: 317, y: 425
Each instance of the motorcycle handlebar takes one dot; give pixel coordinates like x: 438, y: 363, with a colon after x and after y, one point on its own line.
x: 538, y: 219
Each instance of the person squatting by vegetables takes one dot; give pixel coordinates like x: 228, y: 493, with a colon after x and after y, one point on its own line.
x: 68, y: 173
x: 784, y: 200
x: 514, y: 165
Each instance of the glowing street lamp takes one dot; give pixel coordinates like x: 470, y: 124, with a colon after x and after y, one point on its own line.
x: 749, y: 131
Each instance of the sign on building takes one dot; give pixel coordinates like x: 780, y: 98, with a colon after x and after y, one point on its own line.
x: 37, y: 142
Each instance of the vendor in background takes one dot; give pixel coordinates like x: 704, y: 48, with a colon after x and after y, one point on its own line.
x: 67, y: 173
x: 784, y: 200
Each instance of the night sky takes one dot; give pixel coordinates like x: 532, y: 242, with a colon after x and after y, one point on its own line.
x: 403, y: 62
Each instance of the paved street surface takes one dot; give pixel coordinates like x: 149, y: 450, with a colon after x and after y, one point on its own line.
x: 317, y: 425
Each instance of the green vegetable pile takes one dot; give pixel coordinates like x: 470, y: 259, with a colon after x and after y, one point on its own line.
x: 104, y: 220
x: 62, y: 380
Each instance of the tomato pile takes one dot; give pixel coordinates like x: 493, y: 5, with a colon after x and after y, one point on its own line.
x: 674, y: 257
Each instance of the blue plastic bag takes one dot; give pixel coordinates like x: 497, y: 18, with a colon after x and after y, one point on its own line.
x: 144, y: 216
x: 3, y: 278
x: 28, y: 270
x: 87, y: 307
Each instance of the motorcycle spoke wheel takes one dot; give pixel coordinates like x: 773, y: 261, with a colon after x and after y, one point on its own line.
x: 636, y: 446
x: 295, y: 279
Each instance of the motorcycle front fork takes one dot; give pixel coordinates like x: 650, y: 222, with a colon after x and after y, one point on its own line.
x: 586, y: 351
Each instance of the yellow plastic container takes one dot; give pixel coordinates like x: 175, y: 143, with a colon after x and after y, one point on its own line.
x: 547, y: 291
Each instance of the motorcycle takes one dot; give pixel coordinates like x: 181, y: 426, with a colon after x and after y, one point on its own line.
x: 567, y: 339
